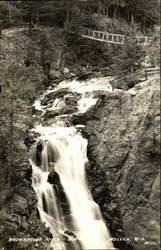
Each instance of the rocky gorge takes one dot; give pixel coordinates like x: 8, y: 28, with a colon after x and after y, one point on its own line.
x: 122, y: 128
x: 123, y: 146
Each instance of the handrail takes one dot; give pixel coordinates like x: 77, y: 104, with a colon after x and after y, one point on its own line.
x: 114, y: 38
x: 146, y: 71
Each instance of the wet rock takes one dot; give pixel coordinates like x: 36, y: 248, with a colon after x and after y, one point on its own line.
x: 71, y: 240
x: 53, y: 178
x: 29, y: 140
x: 51, y: 114
x: 39, y: 148
x: 91, y: 114
x: 70, y: 233
x: 70, y: 100
x: 56, y: 94
x: 61, y: 111
x: 60, y: 93
x: 80, y: 119
x: 83, y: 76
x: 68, y: 218
x: 35, y: 111
x: 68, y: 110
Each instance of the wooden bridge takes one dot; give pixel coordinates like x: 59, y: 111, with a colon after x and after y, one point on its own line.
x: 144, y: 40
x: 103, y: 36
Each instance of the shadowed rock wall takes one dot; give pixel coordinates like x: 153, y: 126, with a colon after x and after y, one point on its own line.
x: 123, y: 149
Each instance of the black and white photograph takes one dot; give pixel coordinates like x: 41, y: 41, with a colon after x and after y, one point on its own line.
x: 80, y: 125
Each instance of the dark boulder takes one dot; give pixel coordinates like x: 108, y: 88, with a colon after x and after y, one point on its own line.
x: 51, y: 114
x: 56, y: 94
x: 53, y: 178
x: 29, y: 140
x: 68, y: 110
x: 71, y: 100
x: 39, y: 148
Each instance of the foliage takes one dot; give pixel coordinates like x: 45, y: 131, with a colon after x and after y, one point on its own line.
x: 128, y: 58
x: 11, y: 109
x: 146, y: 13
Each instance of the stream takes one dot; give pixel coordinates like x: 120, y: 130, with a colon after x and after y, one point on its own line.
x: 58, y: 159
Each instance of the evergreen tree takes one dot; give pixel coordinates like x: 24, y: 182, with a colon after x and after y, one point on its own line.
x: 128, y: 59
x: 145, y: 12
x: 4, y: 15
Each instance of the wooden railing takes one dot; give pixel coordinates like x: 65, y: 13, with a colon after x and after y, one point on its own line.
x: 104, y: 36
x: 145, y: 73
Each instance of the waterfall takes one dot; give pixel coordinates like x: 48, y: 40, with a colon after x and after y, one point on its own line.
x: 58, y: 161
x: 63, y: 151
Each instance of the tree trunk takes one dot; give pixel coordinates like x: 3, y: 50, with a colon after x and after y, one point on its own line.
x: 0, y: 32
x: 99, y: 7
x: 9, y: 13
x: 115, y: 11
x: 30, y: 17
x: 107, y: 11
x: 67, y: 19
x: 37, y: 19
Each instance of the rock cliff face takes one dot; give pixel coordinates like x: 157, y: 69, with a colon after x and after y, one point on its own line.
x: 123, y: 149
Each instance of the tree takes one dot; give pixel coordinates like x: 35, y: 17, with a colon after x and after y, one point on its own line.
x: 7, y: 111
x: 128, y: 59
x: 9, y: 108
x: 147, y: 12
x: 4, y: 15
x: 9, y: 14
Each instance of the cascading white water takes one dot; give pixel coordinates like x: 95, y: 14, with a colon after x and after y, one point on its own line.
x: 64, y: 151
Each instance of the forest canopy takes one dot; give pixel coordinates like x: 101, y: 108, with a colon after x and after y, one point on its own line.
x: 17, y: 13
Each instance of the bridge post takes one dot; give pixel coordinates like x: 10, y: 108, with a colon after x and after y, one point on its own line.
x: 107, y: 35
x: 123, y: 40
x: 100, y: 35
x: 112, y: 40
x: 93, y: 35
x: 97, y: 34
x: 103, y: 37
